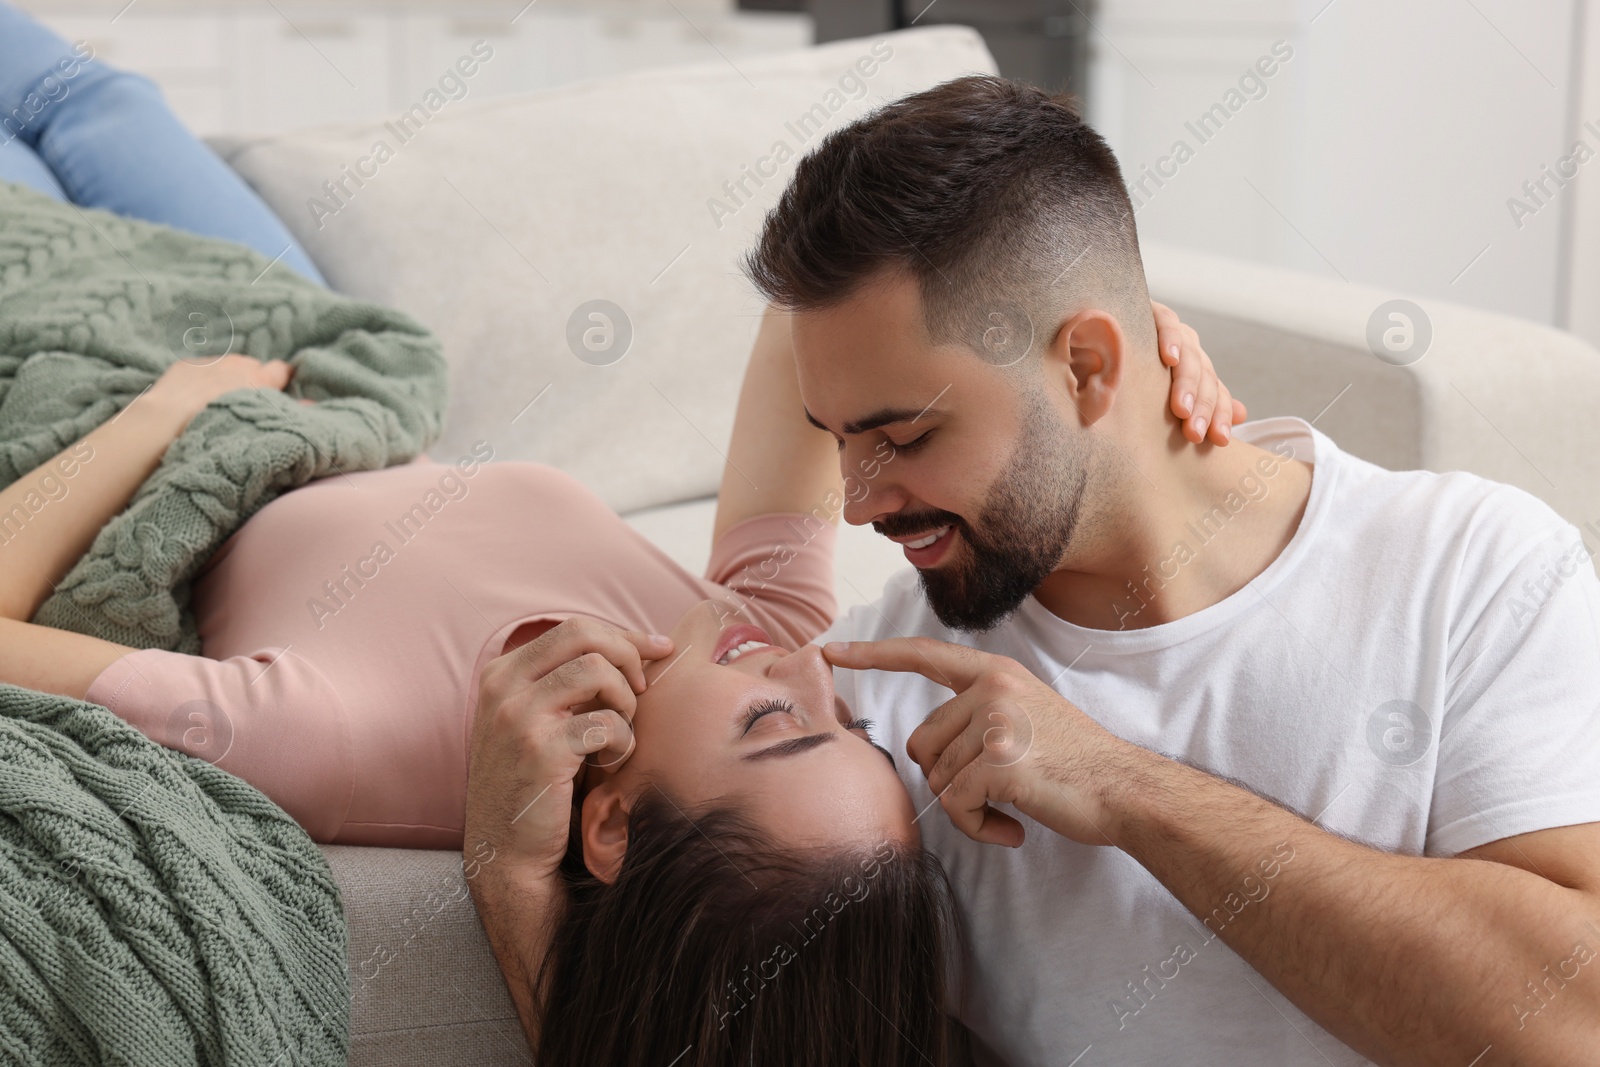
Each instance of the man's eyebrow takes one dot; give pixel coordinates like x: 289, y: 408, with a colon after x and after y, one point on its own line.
x: 792, y: 747
x: 881, y: 417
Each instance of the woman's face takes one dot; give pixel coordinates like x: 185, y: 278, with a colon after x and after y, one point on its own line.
x: 762, y: 730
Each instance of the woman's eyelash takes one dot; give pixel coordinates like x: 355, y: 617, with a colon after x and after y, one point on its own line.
x: 864, y: 725
x: 764, y: 707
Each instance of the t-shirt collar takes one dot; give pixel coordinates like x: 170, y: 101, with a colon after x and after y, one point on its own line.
x: 1308, y: 443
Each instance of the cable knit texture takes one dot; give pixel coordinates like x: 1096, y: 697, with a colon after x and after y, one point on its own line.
x: 155, y: 909
x: 94, y: 306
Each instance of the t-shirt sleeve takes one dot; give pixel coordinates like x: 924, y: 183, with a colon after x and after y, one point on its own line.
x: 270, y: 718
x: 781, y: 567
x: 1519, y: 746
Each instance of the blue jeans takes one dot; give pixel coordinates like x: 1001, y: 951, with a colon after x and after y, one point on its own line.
x: 78, y: 130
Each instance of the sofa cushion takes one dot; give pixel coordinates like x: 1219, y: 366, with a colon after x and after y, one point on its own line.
x: 493, y: 221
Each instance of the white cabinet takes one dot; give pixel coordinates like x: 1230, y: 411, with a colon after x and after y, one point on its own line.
x: 188, y: 57
x: 308, y: 67
x: 251, y: 67
x: 535, y: 52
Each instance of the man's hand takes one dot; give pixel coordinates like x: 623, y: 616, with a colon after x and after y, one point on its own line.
x: 543, y: 710
x: 1005, y: 738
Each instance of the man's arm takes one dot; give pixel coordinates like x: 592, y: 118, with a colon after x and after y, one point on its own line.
x: 1487, y: 958
x: 543, y: 709
x: 1477, y: 959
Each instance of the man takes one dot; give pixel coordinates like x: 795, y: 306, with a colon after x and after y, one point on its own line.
x: 1297, y: 781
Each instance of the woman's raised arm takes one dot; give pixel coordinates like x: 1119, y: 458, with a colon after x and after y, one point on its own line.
x: 777, y: 461
x: 50, y: 516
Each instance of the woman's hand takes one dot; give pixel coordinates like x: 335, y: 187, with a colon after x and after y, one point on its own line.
x: 1207, y: 409
x: 543, y: 710
x: 186, y: 388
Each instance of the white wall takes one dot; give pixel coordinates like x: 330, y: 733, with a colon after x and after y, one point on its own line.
x: 1584, y: 241
x: 1384, y: 151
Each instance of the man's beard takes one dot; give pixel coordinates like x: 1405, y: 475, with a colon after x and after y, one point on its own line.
x: 1027, y: 522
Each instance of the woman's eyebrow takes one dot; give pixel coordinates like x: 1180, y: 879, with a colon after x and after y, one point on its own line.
x: 805, y: 743
x: 792, y: 747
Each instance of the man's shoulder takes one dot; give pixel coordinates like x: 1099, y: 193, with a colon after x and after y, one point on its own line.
x: 1453, y: 517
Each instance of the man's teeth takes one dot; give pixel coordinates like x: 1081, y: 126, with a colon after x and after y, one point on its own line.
x: 930, y: 539
x: 738, y: 650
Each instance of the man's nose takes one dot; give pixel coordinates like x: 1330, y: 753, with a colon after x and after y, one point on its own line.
x: 863, y: 506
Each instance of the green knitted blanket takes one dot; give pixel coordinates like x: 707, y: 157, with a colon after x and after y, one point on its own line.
x: 153, y: 908
x: 93, y: 307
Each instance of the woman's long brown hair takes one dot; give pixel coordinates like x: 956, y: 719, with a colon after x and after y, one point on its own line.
x: 714, y: 949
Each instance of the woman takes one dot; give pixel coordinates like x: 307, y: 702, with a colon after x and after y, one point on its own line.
x: 736, y: 847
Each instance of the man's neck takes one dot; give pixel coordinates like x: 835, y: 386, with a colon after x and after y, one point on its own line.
x: 1176, y: 533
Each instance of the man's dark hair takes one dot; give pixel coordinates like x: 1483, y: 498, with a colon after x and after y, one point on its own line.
x: 994, y: 195
x: 716, y: 947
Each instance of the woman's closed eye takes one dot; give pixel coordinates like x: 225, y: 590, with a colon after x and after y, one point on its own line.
x: 763, y: 708
x: 865, y: 726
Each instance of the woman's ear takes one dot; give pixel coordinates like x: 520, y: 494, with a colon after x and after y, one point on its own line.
x: 1086, y: 360
x: 604, y: 830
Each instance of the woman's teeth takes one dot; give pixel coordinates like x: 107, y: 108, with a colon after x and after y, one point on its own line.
x: 738, y: 650
x: 930, y: 539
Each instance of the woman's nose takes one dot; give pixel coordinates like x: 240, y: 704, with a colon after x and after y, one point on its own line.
x: 807, y: 672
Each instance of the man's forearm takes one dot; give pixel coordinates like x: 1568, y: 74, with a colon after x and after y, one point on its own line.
x: 1408, y: 960
x: 520, y: 918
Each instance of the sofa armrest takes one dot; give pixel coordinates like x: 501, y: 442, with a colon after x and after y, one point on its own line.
x: 1497, y: 396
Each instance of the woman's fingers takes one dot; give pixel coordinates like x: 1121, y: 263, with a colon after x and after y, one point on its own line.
x: 1205, y: 402
x: 1169, y: 337
x: 1222, y: 416
x: 1198, y: 398
x: 1190, y: 370
x: 274, y: 374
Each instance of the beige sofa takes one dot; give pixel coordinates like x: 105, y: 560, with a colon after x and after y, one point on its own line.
x: 492, y: 221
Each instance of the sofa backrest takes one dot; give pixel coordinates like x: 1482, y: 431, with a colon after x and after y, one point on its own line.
x: 1501, y: 397
x: 492, y: 222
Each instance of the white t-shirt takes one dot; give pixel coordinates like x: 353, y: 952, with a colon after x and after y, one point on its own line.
x: 1419, y: 670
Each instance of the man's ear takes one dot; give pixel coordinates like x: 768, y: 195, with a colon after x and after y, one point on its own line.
x: 1086, y: 360
x: 604, y: 830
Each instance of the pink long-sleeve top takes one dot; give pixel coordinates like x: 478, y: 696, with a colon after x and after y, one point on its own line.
x: 345, y: 625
